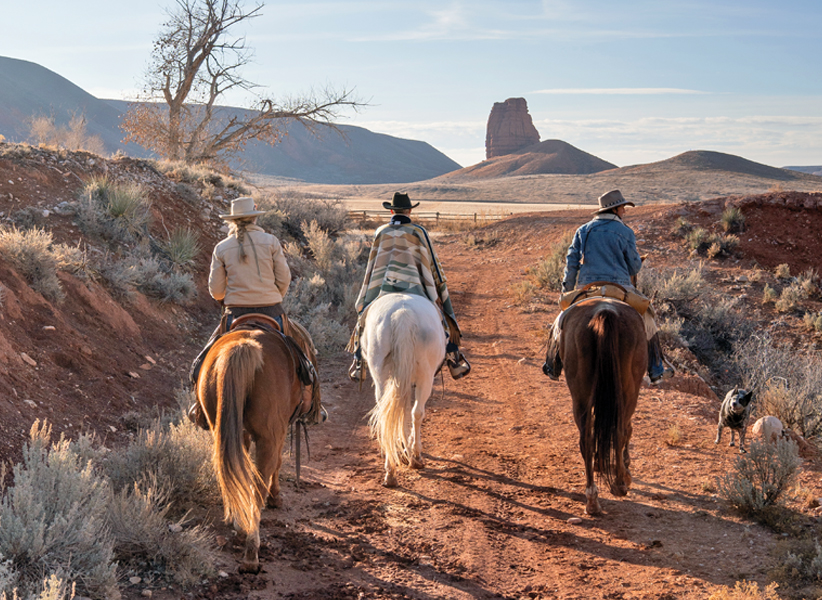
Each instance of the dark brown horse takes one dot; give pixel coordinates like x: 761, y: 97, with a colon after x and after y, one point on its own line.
x: 605, y: 353
x: 250, y: 391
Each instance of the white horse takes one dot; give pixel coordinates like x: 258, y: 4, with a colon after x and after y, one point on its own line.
x: 403, y: 343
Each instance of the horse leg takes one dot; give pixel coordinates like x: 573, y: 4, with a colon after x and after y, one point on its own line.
x: 586, y: 446
x: 390, y: 479
x: 251, y: 556
x: 422, y: 393
x: 269, y: 462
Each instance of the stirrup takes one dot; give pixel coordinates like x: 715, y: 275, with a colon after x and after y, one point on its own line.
x: 458, y: 365
x: 356, y: 372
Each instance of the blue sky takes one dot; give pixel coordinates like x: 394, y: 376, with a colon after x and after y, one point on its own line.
x: 631, y: 82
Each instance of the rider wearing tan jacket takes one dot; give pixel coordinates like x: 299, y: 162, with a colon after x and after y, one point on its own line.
x: 249, y: 273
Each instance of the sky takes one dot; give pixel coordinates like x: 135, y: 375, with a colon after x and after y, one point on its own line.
x: 631, y: 81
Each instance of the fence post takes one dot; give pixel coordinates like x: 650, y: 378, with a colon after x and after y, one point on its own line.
x: 475, y: 217
x: 438, y: 218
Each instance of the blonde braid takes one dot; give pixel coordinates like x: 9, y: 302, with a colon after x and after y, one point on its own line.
x: 238, y: 227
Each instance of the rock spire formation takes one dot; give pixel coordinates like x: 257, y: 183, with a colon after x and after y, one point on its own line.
x: 510, y: 128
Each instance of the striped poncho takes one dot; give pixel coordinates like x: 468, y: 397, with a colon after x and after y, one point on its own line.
x: 403, y: 259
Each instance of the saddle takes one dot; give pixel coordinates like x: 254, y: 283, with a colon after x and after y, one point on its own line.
x: 605, y: 289
x: 252, y: 321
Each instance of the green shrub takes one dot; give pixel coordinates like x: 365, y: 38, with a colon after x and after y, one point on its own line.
x: 732, y: 220
x: 116, y: 213
x: 30, y: 252
x: 53, y: 519
x: 702, y: 242
x: 182, y: 247
x: 760, y: 477
x: 146, y: 274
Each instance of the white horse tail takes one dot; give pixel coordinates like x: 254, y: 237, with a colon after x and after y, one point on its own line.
x: 390, y: 417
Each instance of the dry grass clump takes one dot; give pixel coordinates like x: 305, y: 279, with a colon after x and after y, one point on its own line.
x: 732, y: 220
x: 30, y: 251
x: 292, y: 208
x: 782, y: 271
x: 116, y: 213
x: 484, y: 239
x: 759, y: 478
x: 746, y: 590
x: 789, y: 380
x: 674, y: 435
x: 151, y: 545
x: 813, y: 321
x: 324, y: 291
x: 674, y: 285
x: 72, y: 136
x: 205, y: 176
x: 769, y: 295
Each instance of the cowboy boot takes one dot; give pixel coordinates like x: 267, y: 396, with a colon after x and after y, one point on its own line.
x: 356, y: 372
x: 657, y: 369
x: 197, y: 416
x: 458, y: 365
x: 553, y: 365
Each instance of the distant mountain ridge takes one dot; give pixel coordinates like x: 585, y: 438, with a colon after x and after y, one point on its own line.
x: 817, y: 170
x: 543, y: 158
x: 29, y: 90
x: 709, y: 160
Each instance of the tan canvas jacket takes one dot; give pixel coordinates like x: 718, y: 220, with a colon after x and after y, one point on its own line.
x: 262, y: 280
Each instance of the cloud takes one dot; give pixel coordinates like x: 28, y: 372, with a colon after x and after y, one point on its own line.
x: 619, y: 91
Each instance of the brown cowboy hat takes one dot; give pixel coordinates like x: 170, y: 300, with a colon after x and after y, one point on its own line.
x: 401, y: 201
x: 611, y: 200
x: 242, y: 207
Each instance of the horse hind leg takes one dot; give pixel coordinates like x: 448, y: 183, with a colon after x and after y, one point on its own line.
x: 390, y: 479
x: 251, y: 555
x: 592, y: 506
x: 422, y: 393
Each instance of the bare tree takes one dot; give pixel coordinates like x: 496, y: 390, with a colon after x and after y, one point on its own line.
x: 195, y: 61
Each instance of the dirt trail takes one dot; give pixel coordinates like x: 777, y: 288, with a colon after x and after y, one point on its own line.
x: 488, y: 516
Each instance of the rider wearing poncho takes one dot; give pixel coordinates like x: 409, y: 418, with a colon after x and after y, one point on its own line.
x: 604, y: 250
x: 403, y: 259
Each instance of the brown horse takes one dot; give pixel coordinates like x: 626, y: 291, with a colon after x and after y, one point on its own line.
x: 250, y: 391
x: 605, y: 353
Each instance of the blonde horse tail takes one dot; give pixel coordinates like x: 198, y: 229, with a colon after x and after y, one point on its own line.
x: 388, y: 417
x: 608, y: 396
x: 241, y: 485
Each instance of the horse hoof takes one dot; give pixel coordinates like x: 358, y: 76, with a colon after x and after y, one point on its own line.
x: 390, y: 481
x: 250, y: 567
x: 593, y: 511
x: 417, y: 463
x: 274, y: 501
x: 619, y: 490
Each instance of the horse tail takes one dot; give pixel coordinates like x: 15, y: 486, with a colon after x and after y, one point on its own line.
x: 388, y: 417
x: 240, y: 482
x: 608, y: 398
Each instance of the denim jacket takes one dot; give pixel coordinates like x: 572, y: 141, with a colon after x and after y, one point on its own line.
x: 604, y: 249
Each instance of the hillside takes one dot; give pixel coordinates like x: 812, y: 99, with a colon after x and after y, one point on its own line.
x: 688, y: 177
x: 545, y: 157
x: 494, y: 513
x: 28, y: 90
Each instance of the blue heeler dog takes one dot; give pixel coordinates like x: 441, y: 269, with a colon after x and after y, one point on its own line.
x: 733, y: 414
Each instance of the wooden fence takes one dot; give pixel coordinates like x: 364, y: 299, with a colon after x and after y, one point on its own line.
x: 368, y: 215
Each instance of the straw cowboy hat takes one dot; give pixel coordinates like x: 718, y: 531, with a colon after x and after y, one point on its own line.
x: 400, y: 201
x: 611, y: 200
x: 242, y: 207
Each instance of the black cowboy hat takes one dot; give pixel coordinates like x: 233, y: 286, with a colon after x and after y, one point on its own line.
x: 400, y: 201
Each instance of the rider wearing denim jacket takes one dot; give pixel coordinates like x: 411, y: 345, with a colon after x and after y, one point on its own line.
x: 604, y: 249
x: 609, y: 250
